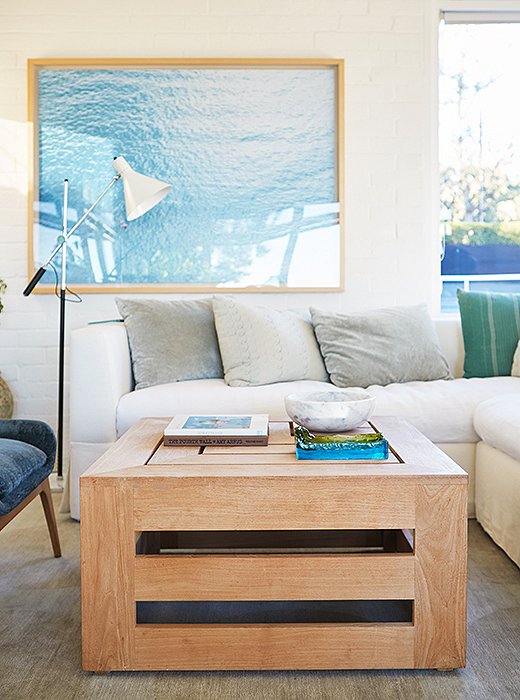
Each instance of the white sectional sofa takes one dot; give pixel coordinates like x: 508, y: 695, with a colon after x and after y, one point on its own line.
x: 475, y: 421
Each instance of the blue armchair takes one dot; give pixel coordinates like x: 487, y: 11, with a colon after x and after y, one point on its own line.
x: 27, y: 452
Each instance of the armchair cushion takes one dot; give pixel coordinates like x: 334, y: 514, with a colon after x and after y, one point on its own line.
x: 33, y: 432
x: 27, y: 451
x: 22, y: 468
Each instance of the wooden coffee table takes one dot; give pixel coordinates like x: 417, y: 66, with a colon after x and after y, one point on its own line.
x: 252, y: 531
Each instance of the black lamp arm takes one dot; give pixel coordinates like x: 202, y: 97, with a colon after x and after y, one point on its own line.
x: 36, y: 278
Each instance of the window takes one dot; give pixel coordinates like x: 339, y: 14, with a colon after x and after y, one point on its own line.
x: 479, y: 139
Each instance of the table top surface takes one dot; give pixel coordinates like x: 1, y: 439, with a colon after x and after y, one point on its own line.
x: 140, y: 453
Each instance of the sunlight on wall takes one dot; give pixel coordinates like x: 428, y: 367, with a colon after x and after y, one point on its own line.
x: 14, y: 155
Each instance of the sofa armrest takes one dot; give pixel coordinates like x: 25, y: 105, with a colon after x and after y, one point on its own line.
x: 100, y: 373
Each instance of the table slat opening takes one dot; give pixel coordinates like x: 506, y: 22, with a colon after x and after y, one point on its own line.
x: 166, y: 542
x: 274, y: 612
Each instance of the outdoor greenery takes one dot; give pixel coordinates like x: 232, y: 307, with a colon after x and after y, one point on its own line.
x: 484, y: 205
x: 475, y: 193
x: 484, y: 233
x: 479, y: 186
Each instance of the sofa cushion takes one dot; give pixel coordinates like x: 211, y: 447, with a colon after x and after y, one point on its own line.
x: 260, y: 345
x: 380, y: 347
x: 491, y: 329
x: 171, y: 341
x: 208, y: 396
x: 442, y: 410
x: 497, y: 422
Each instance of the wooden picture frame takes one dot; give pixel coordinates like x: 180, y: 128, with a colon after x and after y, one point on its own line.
x: 220, y: 229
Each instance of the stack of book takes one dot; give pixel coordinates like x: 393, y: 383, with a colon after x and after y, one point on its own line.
x: 222, y: 430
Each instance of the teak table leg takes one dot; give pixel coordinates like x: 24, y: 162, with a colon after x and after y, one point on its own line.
x: 440, y: 575
x: 107, y: 573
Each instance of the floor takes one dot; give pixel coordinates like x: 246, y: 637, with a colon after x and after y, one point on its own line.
x: 40, y: 637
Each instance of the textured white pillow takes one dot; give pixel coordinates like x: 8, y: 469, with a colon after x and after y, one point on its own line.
x: 260, y: 345
x: 515, y: 369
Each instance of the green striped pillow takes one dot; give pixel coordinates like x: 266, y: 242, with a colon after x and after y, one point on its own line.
x: 491, y: 330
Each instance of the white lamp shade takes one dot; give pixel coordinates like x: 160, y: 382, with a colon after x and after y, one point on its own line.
x: 141, y: 192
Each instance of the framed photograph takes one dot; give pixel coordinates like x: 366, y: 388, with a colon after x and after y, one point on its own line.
x: 253, y: 149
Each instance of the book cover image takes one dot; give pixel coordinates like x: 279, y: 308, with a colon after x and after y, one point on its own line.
x: 217, y: 422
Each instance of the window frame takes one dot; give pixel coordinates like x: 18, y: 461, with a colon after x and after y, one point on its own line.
x: 465, y: 12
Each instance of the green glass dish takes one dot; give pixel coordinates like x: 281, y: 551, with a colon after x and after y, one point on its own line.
x: 347, y: 447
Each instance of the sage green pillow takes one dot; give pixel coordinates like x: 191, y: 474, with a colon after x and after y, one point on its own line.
x: 491, y: 330
x: 171, y: 341
x: 380, y: 347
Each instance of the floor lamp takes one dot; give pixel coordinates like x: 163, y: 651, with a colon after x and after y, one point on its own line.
x: 141, y: 194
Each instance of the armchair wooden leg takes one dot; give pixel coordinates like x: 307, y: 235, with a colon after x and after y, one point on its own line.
x: 48, y: 509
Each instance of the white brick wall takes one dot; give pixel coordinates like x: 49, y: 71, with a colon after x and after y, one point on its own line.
x: 390, y: 247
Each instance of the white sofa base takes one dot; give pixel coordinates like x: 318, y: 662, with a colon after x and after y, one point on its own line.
x: 82, y: 456
x: 464, y: 454
x: 498, y: 498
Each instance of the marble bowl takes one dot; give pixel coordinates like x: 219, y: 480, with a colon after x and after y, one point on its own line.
x: 330, y: 411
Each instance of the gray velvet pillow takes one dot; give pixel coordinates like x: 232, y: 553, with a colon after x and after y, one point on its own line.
x: 171, y: 341
x: 380, y: 347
